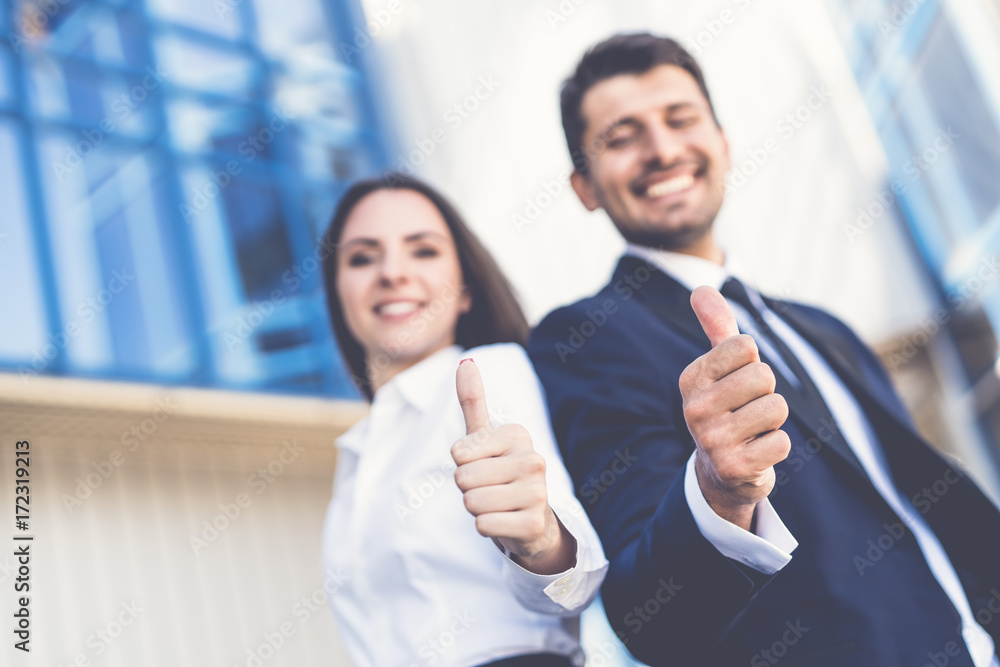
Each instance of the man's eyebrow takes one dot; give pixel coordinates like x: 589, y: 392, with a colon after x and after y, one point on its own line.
x: 620, y: 122
x: 631, y: 121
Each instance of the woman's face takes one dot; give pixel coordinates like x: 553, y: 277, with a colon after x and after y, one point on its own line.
x: 399, y: 280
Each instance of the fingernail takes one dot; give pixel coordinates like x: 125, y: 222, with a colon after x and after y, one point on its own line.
x: 464, y: 360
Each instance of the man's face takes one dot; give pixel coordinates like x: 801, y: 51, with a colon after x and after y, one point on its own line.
x: 657, y: 160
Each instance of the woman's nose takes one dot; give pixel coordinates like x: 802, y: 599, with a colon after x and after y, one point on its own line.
x: 393, y: 270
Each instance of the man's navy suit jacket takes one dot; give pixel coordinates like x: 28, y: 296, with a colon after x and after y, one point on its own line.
x: 858, y: 590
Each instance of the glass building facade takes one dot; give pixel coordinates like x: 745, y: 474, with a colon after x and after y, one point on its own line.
x: 166, y: 170
x: 927, y: 71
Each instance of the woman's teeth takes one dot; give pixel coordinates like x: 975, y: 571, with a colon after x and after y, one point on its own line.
x: 398, y: 308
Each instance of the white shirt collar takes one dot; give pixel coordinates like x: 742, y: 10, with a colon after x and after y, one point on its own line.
x: 688, y: 270
x: 417, y: 386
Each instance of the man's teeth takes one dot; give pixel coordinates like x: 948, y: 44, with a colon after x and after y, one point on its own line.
x: 670, y: 186
x: 398, y: 308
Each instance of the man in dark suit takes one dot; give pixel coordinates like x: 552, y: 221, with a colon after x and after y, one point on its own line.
x: 763, y: 499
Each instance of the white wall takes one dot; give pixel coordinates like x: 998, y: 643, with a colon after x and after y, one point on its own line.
x: 113, y: 550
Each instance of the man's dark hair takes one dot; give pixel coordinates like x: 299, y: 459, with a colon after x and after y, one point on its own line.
x: 631, y: 53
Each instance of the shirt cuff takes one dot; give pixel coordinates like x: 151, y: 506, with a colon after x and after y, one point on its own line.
x: 564, y: 593
x: 767, y: 552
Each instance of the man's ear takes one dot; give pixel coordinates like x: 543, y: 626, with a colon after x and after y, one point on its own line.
x: 584, y: 190
x: 725, y: 144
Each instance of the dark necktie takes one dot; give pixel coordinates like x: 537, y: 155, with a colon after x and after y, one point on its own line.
x: 734, y: 290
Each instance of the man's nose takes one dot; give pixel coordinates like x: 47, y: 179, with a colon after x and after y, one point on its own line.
x: 662, y: 147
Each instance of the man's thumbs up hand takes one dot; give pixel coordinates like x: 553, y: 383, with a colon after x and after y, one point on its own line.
x: 502, y: 479
x: 714, y: 315
x: 732, y: 413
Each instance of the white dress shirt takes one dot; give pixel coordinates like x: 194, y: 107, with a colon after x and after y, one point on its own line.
x: 770, y: 549
x: 419, y: 585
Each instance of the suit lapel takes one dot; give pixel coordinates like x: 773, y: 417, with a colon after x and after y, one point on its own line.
x: 671, y: 301
x: 843, y: 360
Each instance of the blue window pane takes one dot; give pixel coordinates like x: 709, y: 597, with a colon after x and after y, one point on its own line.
x: 199, y: 127
x: 281, y: 31
x: 23, y: 334
x: 957, y: 102
x: 161, y: 256
x: 149, y: 324
x: 258, y: 229
x: 6, y: 94
x: 103, y: 103
x: 219, y: 17
x: 117, y: 263
x: 207, y: 69
x: 85, y: 29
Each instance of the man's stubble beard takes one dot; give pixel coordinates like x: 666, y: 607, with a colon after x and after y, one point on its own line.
x: 675, y: 240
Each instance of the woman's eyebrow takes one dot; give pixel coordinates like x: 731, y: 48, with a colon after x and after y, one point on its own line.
x: 359, y: 241
x: 420, y: 235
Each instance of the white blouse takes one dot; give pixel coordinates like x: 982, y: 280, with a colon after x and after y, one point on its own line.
x: 417, y: 584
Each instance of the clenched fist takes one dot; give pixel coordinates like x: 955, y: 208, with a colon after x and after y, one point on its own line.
x: 733, y: 414
x: 503, y: 482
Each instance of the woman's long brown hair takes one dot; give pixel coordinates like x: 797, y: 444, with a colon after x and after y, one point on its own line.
x: 495, y: 315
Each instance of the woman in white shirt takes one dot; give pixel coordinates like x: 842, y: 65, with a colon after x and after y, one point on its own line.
x: 487, y: 564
